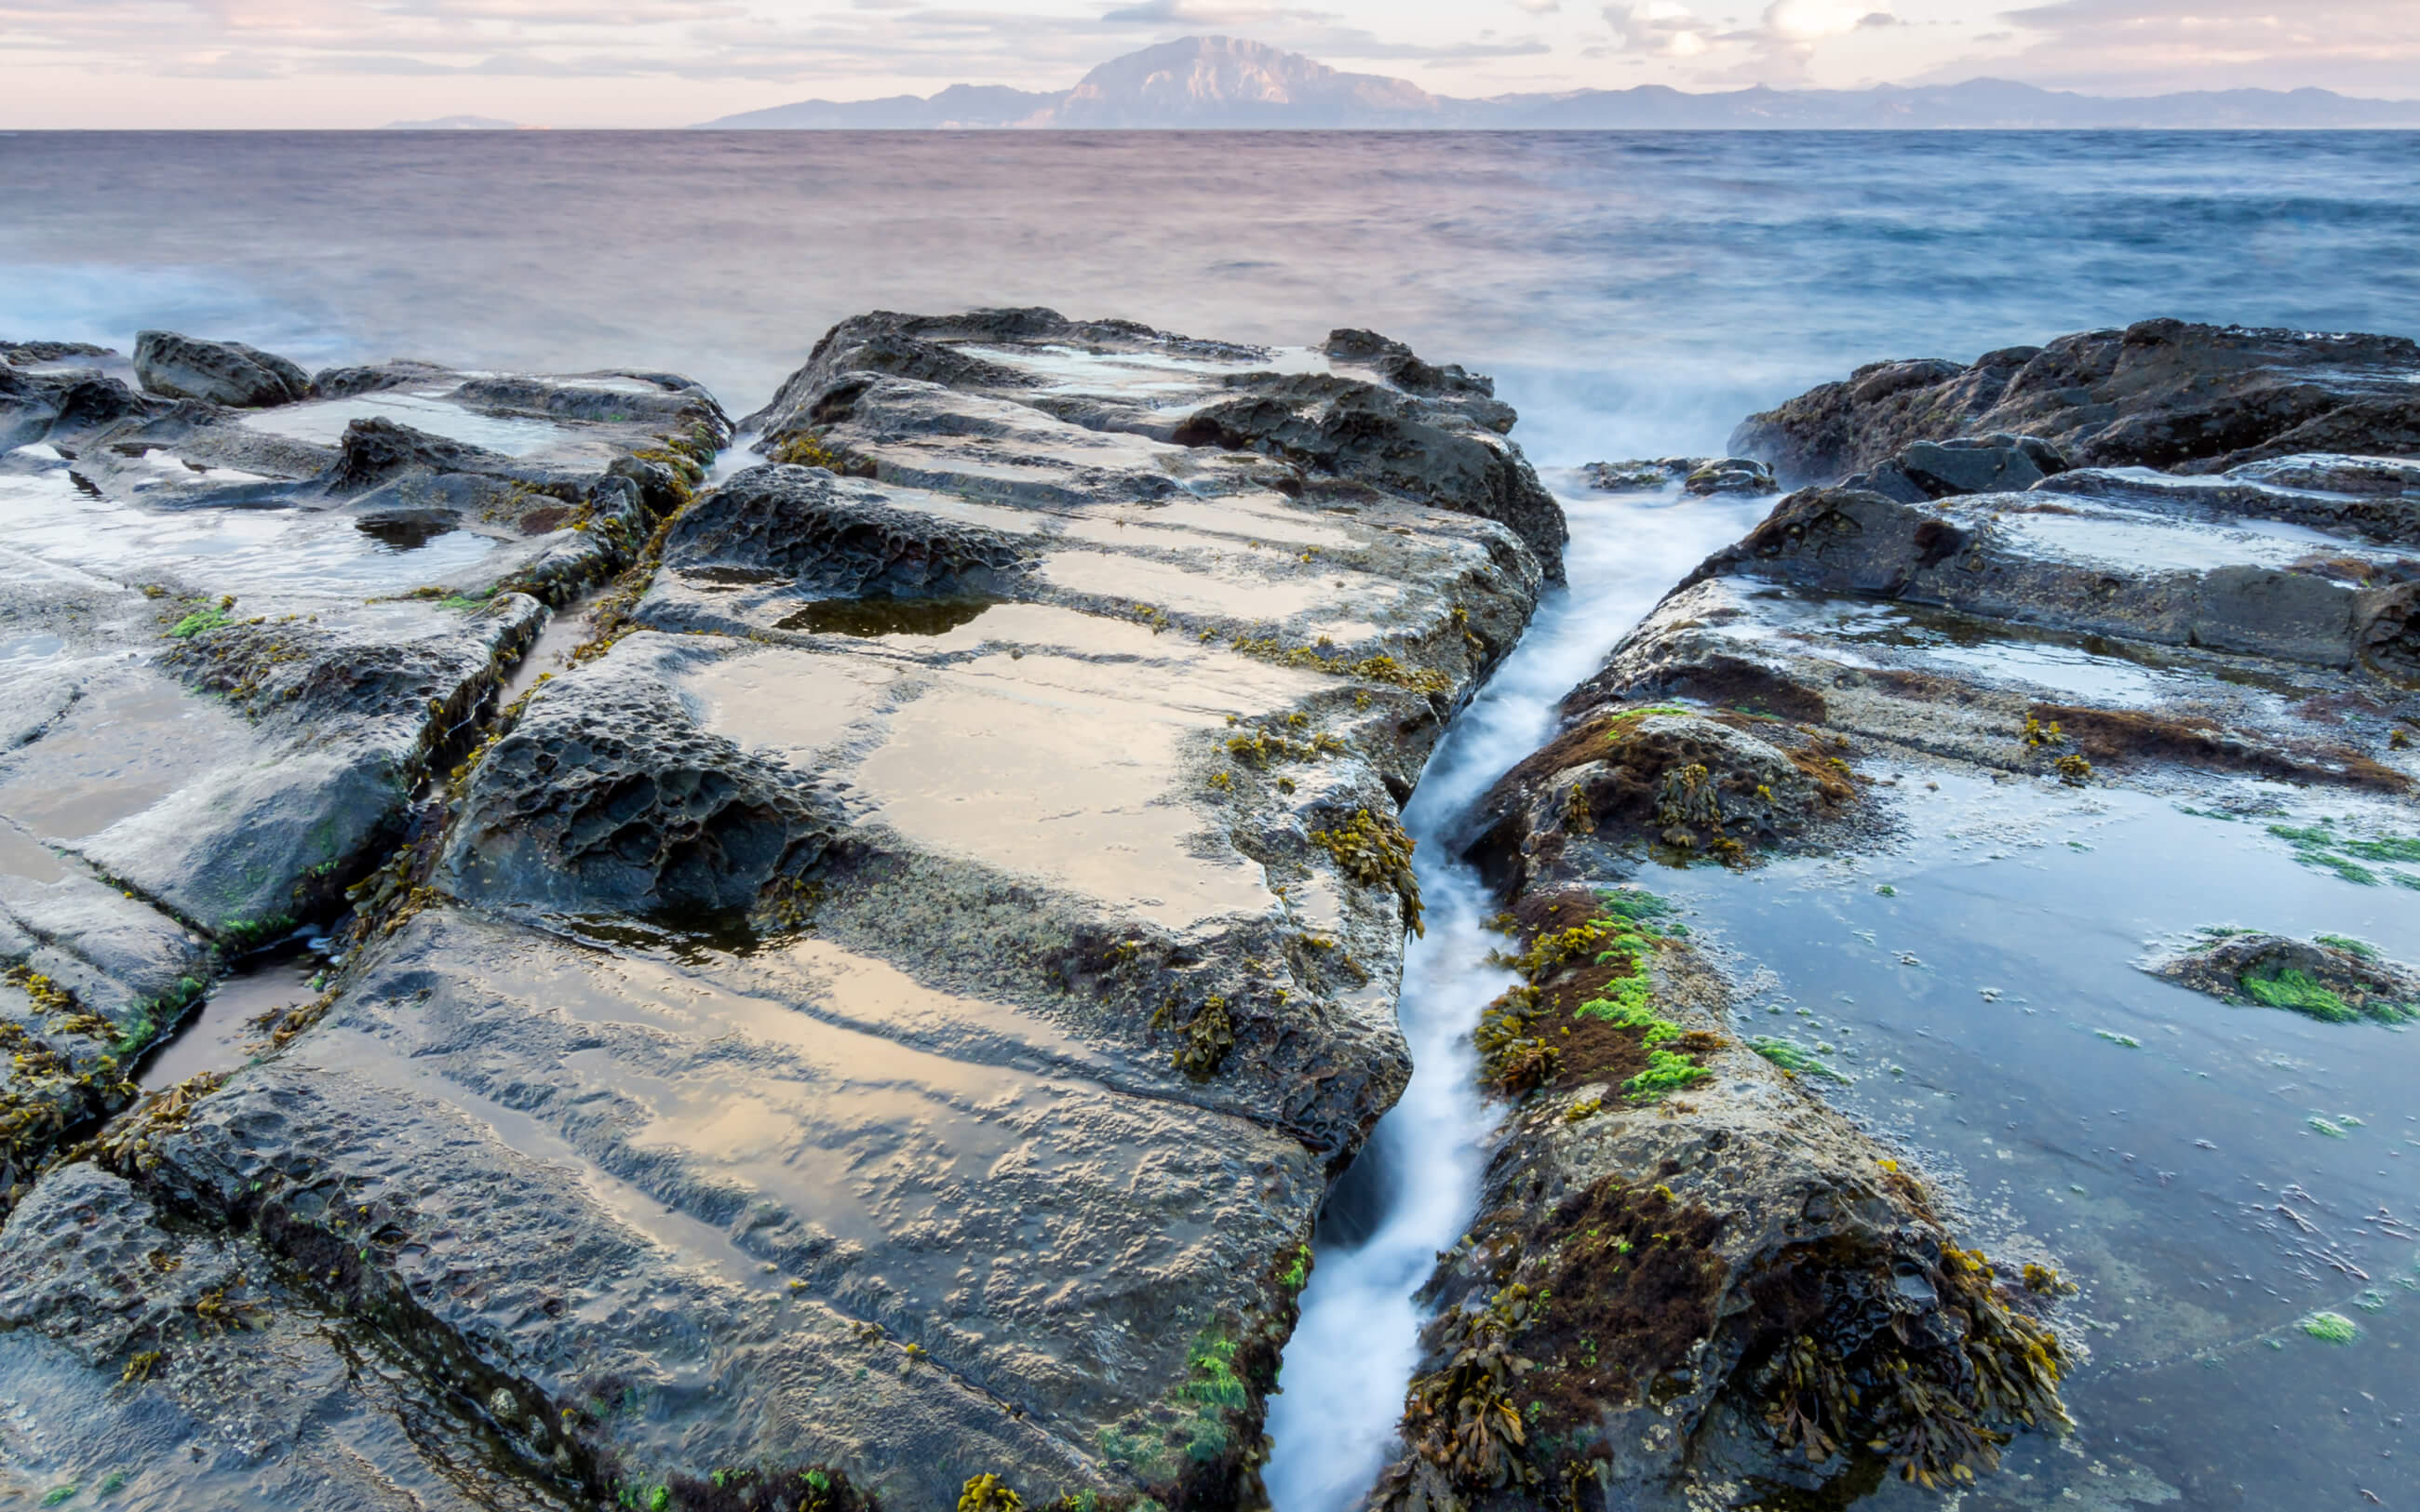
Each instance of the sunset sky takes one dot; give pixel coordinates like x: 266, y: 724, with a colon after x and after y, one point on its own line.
x: 570, y: 63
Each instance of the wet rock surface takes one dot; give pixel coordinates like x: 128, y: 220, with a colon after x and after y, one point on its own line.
x: 1365, y: 419
x: 883, y: 1010
x: 216, y: 372
x: 1691, y: 1281
x: 2159, y: 394
x: 2333, y: 978
x: 1703, y: 476
x: 239, y: 656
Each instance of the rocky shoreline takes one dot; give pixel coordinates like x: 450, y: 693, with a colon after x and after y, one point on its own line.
x: 1690, y: 1281
x: 854, y: 943
x: 877, y: 1020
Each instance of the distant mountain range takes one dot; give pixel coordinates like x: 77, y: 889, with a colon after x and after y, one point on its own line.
x: 1226, y: 83
x: 455, y: 123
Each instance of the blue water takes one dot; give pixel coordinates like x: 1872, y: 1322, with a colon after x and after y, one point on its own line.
x: 1633, y: 291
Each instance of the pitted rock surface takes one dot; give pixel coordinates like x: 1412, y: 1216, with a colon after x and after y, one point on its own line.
x: 606, y: 795
x: 2160, y: 393
x: 216, y: 372
x: 840, y: 538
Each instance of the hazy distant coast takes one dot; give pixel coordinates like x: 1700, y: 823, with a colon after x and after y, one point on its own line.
x: 1228, y: 84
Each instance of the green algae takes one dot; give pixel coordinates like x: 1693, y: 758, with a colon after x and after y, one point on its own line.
x: 2321, y: 847
x: 1665, y: 1072
x: 2299, y: 992
x: 2331, y: 1328
x: 1793, y: 1057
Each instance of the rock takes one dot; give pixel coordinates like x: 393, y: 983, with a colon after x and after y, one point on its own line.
x: 35, y: 353
x: 842, y: 539
x: 313, y: 786
x: 2160, y: 394
x: 2093, y: 567
x: 1667, y: 777
x: 1984, y: 464
x: 1706, y: 1280
x: 607, y: 795
x: 35, y: 406
x: 2331, y: 978
x: 1432, y: 451
x: 373, y: 377
x: 2376, y: 497
x: 149, y: 1347
x: 1700, y: 476
x: 912, y: 974
x: 1401, y: 366
x: 216, y: 372
x: 374, y: 451
x: 874, y: 384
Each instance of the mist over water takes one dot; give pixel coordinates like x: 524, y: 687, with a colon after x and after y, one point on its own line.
x: 1417, y: 1183
x: 1633, y: 292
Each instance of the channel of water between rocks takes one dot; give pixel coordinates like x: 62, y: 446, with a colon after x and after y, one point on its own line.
x: 1413, y: 1188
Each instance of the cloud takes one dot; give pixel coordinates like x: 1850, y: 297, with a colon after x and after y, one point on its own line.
x: 2142, y: 46
x: 1666, y: 27
x: 1540, y: 7
x: 1198, y: 13
x: 1779, y: 47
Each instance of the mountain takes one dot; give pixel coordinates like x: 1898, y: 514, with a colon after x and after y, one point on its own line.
x: 1221, y: 83
x: 453, y: 123
x: 1227, y: 83
x: 959, y: 106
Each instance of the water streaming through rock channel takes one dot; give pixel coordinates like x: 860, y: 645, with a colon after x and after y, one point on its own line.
x: 1413, y: 1187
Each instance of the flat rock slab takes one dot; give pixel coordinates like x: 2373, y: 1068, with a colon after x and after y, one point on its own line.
x: 896, y: 1003
x: 705, y: 1178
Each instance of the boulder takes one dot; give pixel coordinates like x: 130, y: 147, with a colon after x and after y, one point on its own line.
x: 2331, y: 978
x: 1980, y: 464
x: 2160, y: 394
x: 1701, y: 475
x: 216, y: 372
x: 2091, y: 567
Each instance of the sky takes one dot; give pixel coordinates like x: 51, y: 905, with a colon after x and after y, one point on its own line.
x: 641, y: 63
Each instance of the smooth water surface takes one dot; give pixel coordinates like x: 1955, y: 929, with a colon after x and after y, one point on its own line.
x: 1635, y: 292
x: 2209, y: 1175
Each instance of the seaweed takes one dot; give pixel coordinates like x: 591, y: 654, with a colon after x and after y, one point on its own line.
x: 1373, y: 850
x: 2331, y: 1328
x: 1793, y: 1057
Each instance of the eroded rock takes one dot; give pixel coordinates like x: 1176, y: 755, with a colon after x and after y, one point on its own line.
x: 216, y: 372
x: 913, y: 974
x: 2160, y: 394
x: 1378, y: 420
x: 1704, y: 476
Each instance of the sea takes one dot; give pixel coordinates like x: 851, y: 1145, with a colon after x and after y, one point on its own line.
x: 1634, y: 293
